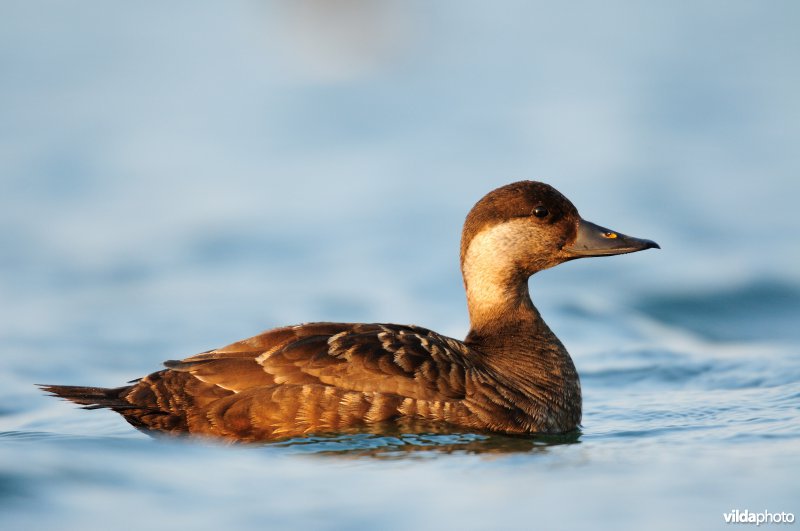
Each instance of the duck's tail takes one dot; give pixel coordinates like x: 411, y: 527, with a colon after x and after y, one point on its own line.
x: 91, y: 397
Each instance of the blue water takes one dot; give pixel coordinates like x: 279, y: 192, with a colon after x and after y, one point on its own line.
x: 176, y: 177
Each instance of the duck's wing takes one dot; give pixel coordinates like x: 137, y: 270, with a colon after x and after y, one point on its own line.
x: 295, y: 380
x: 406, y: 361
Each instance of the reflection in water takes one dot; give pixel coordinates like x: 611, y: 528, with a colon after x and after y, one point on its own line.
x: 402, y: 439
x: 396, y: 441
x: 383, y: 441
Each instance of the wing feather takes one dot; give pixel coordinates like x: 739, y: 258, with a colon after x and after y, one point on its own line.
x: 407, y: 361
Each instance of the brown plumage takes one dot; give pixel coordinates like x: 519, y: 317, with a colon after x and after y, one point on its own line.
x: 510, y: 374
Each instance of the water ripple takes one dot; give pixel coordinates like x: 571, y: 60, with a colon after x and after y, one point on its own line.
x: 754, y: 311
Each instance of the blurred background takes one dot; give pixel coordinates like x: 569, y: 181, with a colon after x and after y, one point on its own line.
x: 177, y: 176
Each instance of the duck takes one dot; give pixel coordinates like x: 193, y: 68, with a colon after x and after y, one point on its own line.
x: 511, y: 374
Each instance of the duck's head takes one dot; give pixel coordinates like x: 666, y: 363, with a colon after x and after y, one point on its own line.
x: 524, y: 227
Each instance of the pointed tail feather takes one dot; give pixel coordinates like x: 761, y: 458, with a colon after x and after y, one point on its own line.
x: 91, y: 397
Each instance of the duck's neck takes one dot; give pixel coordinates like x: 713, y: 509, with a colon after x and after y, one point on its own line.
x: 497, y: 290
x: 504, y: 323
x: 513, y: 341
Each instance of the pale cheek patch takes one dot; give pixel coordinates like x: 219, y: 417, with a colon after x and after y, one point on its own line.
x: 491, y: 257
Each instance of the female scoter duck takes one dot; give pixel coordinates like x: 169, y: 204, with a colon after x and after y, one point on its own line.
x: 511, y: 373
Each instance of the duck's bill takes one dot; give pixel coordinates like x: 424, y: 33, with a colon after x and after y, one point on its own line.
x: 594, y: 240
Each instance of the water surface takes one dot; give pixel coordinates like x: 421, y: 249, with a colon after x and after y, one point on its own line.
x: 178, y: 177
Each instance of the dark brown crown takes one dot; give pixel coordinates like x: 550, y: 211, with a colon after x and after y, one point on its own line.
x: 515, y: 200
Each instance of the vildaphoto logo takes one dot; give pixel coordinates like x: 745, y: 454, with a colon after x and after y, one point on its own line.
x: 764, y: 517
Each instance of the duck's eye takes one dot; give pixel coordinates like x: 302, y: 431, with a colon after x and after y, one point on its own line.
x: 540, y: 211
